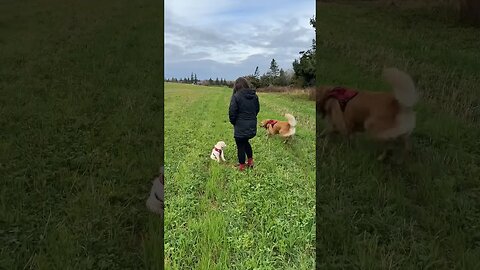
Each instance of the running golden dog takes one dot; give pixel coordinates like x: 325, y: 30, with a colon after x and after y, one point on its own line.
x: 386, y: 116
x: 285, y: 129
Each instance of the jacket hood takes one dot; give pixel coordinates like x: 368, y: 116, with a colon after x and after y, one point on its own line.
x: 247, y: 93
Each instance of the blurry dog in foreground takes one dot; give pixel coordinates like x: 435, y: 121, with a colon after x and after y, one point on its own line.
x: 155, y: 200
x: 217, y: 151
x: 285, y: 129
x: 386, y: 116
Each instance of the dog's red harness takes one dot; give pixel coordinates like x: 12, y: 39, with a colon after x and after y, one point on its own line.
x: 343, y: 95
x: 218, y: 150
x: 270, y: 122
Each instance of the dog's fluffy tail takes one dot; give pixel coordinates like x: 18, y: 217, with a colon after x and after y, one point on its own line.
x: 291, y: 120
x: 403, y: 86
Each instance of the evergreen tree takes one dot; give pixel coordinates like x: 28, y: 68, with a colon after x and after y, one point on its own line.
x: 274, y: 68
x: 305, y: 67
x: 217, y: 82
x: 256, y: 74
x: 265, y: 80
x: 195, y: 79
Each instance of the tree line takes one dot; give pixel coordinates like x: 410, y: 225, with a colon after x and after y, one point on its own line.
x: 275, y: 76
x: 194, y: 80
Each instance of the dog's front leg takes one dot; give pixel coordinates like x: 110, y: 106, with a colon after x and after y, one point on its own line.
x: 407, y: 147
x: 329, y: 129
x: 223, y: 157
x: 267, y: 134
x: 383, y: 155
x: 407, y: 143
x: 387, y: 151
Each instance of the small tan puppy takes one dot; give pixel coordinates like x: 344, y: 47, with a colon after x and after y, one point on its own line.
x: 386, y: 116
x: 285, y: 129
x: 217, y: 151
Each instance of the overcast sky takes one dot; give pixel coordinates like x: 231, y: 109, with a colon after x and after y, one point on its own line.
x: 229, y: 38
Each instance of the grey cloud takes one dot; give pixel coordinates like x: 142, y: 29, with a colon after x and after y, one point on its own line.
x: 193, y: 36
x: 175, y: 53
x: 188, y: 47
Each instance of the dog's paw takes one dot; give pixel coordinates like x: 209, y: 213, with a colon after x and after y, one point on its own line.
x: 385, y: 155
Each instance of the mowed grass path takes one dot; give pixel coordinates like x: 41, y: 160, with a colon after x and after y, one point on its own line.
x: 423, y: 214
x: 80, y: 134
x: 218, y: 218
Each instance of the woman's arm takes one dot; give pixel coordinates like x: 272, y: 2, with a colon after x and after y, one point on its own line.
x: 233, y: 110
x: 257, y: 105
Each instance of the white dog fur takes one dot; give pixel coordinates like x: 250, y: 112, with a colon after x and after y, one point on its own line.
x: 155, y: 201
x: 216, y: 155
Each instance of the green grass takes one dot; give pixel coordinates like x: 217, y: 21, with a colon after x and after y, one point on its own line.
x: 219, y: 218
x: 424, y: 214
x: 80, y: 134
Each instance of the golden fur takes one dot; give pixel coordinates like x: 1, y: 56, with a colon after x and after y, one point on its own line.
x: 385, y: 116
x: 285, y: 129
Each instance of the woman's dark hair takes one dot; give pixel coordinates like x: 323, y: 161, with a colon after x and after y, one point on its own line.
x: 240, y: 83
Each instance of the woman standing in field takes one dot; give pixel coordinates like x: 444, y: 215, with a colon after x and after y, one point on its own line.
x: 244, y: 107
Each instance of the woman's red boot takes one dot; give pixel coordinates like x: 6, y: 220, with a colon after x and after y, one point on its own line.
x: 250, y: 162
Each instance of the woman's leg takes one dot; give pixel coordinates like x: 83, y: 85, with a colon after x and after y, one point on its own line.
x: 248, y: 150
x: 241, y: 144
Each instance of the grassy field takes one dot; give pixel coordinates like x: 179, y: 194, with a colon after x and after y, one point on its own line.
x: 219, y: 218
x: 80, y: 134
x: 424, y: 214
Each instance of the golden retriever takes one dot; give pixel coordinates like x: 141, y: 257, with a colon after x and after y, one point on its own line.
x: 386, y: 116
x: 285, y: 129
